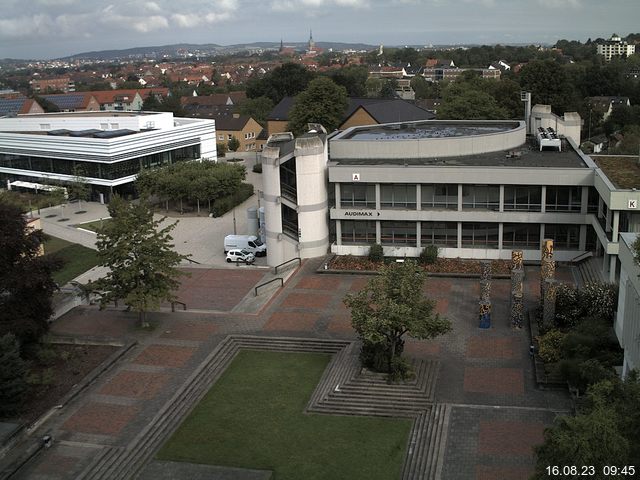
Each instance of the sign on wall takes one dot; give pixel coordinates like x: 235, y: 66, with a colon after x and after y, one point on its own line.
x: 355, y: 177
x: 632, y: 203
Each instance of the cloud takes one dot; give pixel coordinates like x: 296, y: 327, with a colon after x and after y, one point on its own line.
x: 561, y: 3
x: 311, y: 6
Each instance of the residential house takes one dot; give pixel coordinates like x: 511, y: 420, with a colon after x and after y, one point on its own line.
x: 10, y: 107
x: 242, y: 127
x: 63, y: 84
x: 74, y: 102
x: 229, y: 99
x: 360, y: 111
x: 605, y: 105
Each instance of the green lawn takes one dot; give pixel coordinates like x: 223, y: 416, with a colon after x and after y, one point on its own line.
x: 93, y: 226
x: 77, y: 259
x: 253, y: 418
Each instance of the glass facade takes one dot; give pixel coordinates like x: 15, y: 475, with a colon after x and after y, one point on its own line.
x: 479, y: 235
x: 106, y: 171
x: 357, y: 195
x: 398, y: 233
x: 439, y: 196
x: 522, y: 198
x: 401, y: 196
x: 358, y: 232
x: 565, y: 237
x: 481, y: 197
x: 521, y: 235
x: 563, y: 199
x: 442, y: 234
x: 288, y: 181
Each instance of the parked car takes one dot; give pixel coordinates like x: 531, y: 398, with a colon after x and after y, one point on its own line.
x: 240, y: 255
x: 245, y: 242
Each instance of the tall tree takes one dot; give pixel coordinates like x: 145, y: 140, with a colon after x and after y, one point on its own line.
x: 138, y: 252
x: 392, y: 305
x: 322, y: 102
x: 286, y: 80
x: 353, y: 78
x: 13, y: 371
x: 462, y: 101
x: 257, y: 108
x: 26, y: 286
x: 79, y: 187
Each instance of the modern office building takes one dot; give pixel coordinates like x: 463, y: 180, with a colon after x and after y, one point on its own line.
x: 627, y: 322
x: 108, y: 149
x: 475, y: 189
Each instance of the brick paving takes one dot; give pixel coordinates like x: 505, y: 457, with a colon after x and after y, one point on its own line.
x: 141, y: 385
x: 164, y: 355
x: 100, y: 418
x: 486, y: 375
x: 494, y: 380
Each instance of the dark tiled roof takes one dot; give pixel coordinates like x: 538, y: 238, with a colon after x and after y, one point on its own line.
x: 230, y: 123
x: 281, y: 110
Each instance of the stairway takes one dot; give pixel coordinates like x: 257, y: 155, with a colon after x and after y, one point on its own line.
x: 590, y: 271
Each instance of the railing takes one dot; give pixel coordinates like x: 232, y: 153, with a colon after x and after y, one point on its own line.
x: 581, y: 257
x: 173, y: 305
x: 255, y: 290
x: 298, y: 259
x: 192, y: 261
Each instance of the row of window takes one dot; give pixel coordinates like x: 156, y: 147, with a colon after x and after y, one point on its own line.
x: 445, y: 234
x: 108, y: 171
x: 474, y: 197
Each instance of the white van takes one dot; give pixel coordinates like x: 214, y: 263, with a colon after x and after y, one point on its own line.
x: 247, y: 242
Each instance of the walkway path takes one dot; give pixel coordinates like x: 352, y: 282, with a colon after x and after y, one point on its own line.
x: 494, y: 412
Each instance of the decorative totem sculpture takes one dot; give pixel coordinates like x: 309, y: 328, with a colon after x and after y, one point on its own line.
x: 485, y: 294
x: 547, y: 267
x: 517, y: 288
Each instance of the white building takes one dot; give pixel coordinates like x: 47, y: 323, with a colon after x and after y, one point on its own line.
x: 107, y: 148
x: 627, y: 323
x: 615, y: 47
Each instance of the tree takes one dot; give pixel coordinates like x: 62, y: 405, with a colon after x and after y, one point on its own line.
x: 389, y: 88
x: 13, y: 371
x: 138, y: 253
x: 548, y: 83
x: 605, y: 432
x: 233, y: 144
x: 26, y: 286
x: 463, y: 102
x: 79, y: 188
x: 353, y: 78
x: 257, y: 108
x: 322, y: 102
x: 286, y: 80
x: 390, y: 306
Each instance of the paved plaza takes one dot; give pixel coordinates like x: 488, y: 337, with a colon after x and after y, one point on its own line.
x: 486, y: 376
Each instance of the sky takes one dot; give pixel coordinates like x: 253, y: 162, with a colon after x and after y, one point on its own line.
x: 44, y: 29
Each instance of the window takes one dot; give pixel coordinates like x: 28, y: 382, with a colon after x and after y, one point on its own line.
x: 229, y: 136
x: 115, y: 126
x: 45, y: 126
x: 220, y: 137
x: 521, y: 235
x: 441, y: 234
x: 290, y: 222
x: 401, y: 196
x: 483, y: 235
x: 398, y: 233
x: 522, y: 198
x: 565, y: 237
x: 439, y: 196
x: 288, y: 180
x: 563, y: 199
x: 358, y: 232
x: 357, y: 195
x: 592, y: 203
x: 480, y: 197
x: 104, y: 126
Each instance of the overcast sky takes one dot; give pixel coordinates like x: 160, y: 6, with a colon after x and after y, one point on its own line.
x: 56, y: 28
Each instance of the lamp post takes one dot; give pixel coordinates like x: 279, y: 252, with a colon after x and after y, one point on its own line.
x: 234, y: 222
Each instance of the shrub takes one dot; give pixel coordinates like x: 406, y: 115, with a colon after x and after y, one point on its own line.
x: 46, y: 356
x: 257, y: 168
x: 428, y: 255
x: 550, y: 346
x: 598, y: 300
x: 568, y: 310
x: 221, y: 149
x: 224, y: 204
x: 376, y: 253
x: 583, y: 373
x: 13, y: 371
x: 400, y: 370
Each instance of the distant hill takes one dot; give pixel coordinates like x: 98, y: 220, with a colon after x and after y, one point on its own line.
x: 182, y: 49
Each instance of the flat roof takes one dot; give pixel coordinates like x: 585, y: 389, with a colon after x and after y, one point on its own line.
x: 624, y: 172
x: 430, y: 129
x: 101, y: 113
x: 527, y: 156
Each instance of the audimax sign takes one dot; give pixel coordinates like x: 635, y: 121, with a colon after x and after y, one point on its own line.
x: 361, y: 213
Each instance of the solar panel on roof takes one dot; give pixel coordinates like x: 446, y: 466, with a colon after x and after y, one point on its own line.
x: 65, y: 101
x: 59, y: 132
x: 84, y: 133
x: 11, y: 106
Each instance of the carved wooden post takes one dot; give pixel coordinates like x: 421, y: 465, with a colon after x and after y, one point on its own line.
x: 485, y: 294
x: 517, y: 294
x: 547, y: 266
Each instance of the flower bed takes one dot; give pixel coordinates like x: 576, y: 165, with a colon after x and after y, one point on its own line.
x: 441, y: 265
